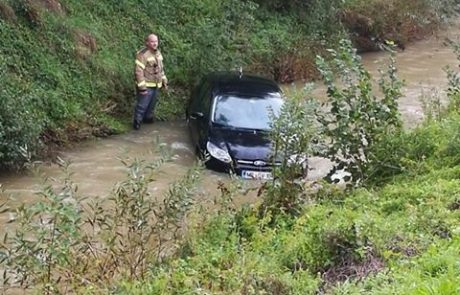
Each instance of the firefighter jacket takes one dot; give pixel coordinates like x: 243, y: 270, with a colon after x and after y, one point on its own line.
x: 149, y: 69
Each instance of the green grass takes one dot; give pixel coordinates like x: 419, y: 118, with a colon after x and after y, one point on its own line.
x: 400, y: 237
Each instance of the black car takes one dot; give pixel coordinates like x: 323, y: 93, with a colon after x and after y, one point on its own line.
x: 229, y: 117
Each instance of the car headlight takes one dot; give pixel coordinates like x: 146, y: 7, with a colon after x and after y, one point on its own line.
x: 218, y: 153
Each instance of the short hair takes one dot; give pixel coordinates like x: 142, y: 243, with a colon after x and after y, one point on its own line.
x: 148, y: 36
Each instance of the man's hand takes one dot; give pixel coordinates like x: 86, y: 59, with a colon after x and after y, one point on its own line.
x: 143, y: 92
x: 164, y: 81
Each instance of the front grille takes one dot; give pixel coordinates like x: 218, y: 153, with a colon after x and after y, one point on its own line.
x: 256, y: 164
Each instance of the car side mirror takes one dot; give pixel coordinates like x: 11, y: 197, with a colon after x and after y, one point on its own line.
x: 196, y: 115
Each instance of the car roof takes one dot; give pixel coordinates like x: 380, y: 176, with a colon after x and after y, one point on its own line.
x: 244, y: 84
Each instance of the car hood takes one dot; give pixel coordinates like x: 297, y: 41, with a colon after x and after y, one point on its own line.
x: 243, y: 144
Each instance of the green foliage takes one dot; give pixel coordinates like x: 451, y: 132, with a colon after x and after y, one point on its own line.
x: 444, y: 9
x: 434, y: 272
x: 399, y: 237
x: 220, y: 262
x: 431, y: 146
x: 316, y: 15
x: 357, y: 119
x: 19, y: 125
x: 324, y: 244
x: 292, y: 133
x: 66, y: 243
x: 398, y: 21
x: 453, y: 90
x: 42, y: 245
x: 371, y: 242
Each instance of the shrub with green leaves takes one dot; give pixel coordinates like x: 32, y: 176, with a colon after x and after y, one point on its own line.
x: 357, y: 118
x: 64, y: 242
x: 41, y: 249
x: 453, y: 90
x: 293, y: 133
x: 21, y: 118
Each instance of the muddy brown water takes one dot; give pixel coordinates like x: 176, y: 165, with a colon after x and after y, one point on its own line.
x: 96, y: 164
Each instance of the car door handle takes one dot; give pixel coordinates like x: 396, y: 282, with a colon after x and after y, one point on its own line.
x: 196, y: 115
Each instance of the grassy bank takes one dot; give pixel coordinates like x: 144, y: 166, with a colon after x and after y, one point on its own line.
x: 399, y: 239
x: 66, y: 68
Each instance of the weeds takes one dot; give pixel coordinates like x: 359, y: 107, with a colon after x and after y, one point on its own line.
x: 65, y: 243
x: 453, y: 90
x: 39, y: 253
x: 293, y: 132
x: 433, y: 109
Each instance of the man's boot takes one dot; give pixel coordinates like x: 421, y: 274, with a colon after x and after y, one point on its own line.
x: 136, y: 125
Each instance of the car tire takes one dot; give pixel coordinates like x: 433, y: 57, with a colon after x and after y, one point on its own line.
x: 199, y: 153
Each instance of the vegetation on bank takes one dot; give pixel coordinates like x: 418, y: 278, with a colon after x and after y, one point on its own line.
x: 66, y: 67
x: 394, y: 230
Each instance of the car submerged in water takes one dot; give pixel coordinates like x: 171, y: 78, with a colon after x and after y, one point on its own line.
x: 229, y: 117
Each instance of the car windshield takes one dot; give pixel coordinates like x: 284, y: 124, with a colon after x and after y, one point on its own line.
x: 246, y: 111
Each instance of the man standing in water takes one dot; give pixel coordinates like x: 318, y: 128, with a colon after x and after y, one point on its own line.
x: 150, y: 77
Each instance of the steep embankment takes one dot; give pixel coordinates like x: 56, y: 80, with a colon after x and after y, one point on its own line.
x: 66, y: 68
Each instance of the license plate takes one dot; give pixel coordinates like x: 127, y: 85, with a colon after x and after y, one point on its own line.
x: 248, y: 174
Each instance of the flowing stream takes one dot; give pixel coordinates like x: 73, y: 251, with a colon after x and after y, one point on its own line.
x: 96, y: 164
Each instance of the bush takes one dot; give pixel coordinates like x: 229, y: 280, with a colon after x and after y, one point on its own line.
x: 293, y: 133
x: 21, y: 119
x: 357, y: 119
x: 63, y: 243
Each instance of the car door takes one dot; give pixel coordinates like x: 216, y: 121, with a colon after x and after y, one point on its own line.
x: 198, y: 114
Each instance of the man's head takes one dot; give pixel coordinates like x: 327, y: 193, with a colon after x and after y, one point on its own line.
x: 151, y: 42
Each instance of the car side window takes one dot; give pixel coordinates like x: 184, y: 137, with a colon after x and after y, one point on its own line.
x: 197, y: 97
x: 200, y: 100
x: 206, y: 100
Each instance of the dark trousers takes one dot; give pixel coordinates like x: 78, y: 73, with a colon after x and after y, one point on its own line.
x: 145, y: 105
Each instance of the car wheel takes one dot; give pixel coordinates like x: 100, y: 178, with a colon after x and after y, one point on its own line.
x: 199, y: 153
